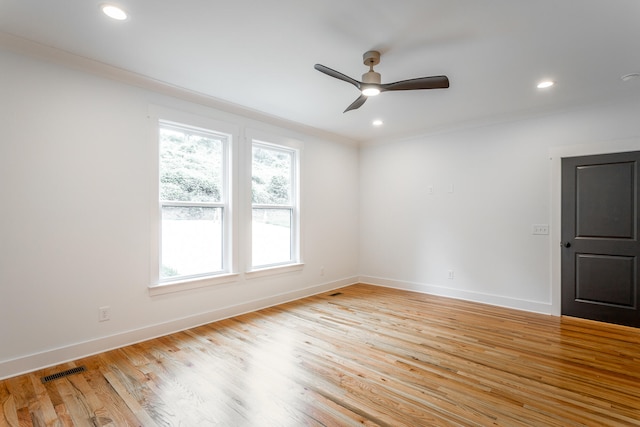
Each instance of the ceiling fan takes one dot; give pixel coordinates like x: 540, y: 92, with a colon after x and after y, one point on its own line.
x: 371, y: 86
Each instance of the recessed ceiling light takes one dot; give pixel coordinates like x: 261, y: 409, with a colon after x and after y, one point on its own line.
x: 377, y: 122
x: 631, y: 76
x: 545, y: 84
x: 114, y: 12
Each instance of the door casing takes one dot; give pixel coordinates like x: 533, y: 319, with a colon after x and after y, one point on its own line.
x: 555, y: 156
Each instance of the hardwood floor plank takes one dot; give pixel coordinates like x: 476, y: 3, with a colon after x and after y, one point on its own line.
x: 72, y: 402
x: 132, y: 403
x: 8, y: 413
x: 21, y: 390
x: 41, y: 409
x: 364, y: 356
x: 24, y: 418
x: 64, y: 418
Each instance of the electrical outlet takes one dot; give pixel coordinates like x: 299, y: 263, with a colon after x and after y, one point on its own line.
x: 450, y: 274
x: 104, y: 313
x: 322, y: 271
x: 541, y: 229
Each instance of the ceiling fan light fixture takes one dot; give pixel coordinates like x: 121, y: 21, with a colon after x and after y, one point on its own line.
x: 545, y: 84
x: 114, y: 12
x: 370, y: 91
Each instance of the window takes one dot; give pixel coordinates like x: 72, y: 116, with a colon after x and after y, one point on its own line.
x: 200, y: 235
x: 194, y: 202
x: 275, y: 216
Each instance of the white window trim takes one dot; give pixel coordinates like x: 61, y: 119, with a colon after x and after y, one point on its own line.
x: 277, y: 142
x: 187, y: 284
x: 230, y: 233
x: 278, y: 269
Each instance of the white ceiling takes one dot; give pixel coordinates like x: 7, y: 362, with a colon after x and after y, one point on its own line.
x: 260, y: 54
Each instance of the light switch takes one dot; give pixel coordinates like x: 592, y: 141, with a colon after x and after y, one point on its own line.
x: 540, y: 229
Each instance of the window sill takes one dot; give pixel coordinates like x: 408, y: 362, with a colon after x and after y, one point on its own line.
x: 184, y: 285
x: 270, y: 271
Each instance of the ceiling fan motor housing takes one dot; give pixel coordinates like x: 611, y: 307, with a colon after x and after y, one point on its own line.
x: 371, y: 77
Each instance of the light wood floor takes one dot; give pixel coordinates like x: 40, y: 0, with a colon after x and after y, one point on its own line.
x: 368, y: 356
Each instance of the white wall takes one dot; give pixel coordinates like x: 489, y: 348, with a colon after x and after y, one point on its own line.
x: 75, y: 194
x: 503, y: 183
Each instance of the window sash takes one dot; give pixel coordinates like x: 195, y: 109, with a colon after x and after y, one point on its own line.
x: 291, y: 205
x: 209, y: 257
x: 218, y: 138
x: 224, y: 250
x: 292, y: 175
x: 272, y: 236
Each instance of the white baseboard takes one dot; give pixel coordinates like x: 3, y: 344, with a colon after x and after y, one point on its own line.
x: 518, y: 304
x: 32, y: 362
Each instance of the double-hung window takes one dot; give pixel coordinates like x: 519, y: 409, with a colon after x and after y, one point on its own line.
x: 201, y: 234
x: 275, y: 214
x: 194, y: 202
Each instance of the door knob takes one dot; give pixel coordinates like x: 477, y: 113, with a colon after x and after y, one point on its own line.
x: 567, y: 245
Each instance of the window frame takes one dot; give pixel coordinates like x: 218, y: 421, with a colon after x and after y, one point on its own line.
x: 160, y: 117
x: 223, y: 204
x: 295, y: 148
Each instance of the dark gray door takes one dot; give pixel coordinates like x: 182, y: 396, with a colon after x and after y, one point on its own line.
x: 600, y: 238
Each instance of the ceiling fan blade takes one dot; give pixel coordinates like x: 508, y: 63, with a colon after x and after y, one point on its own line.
x: 336, y: 74
x: 356, y: 104
x: 433, y: 82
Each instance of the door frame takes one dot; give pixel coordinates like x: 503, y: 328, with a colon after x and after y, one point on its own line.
x: 555, y: 155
